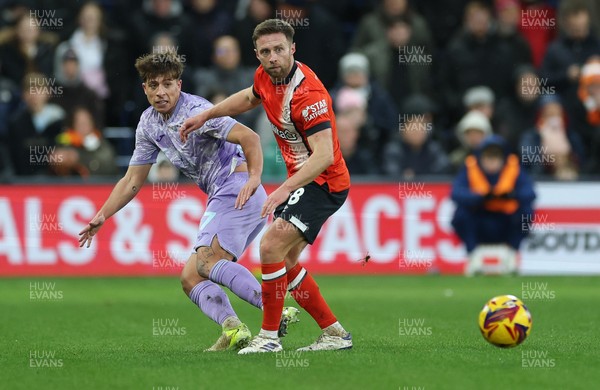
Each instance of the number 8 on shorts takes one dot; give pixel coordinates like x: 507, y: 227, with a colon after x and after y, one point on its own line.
x: 308, y: 207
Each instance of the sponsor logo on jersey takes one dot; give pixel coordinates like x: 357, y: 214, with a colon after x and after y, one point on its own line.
x: 285, y: 133
x: 314, y: 110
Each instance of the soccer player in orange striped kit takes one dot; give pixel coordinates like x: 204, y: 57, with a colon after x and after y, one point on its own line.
x: 300, y: 111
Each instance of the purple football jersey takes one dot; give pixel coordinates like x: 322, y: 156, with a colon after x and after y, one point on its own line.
x: 206, y: 157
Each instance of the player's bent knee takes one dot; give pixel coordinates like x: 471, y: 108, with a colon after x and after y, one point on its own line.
x: 270, y: 246
x: 189, y: 277
x: 189, y: 280
x: 277, y: 241
x: 205, y: 261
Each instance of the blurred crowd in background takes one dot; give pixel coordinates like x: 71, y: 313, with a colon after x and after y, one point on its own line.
x: 417, y: 85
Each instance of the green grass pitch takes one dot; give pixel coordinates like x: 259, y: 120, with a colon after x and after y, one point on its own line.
x: 410, y: 332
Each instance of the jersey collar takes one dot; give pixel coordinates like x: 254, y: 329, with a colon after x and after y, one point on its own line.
x: 175, y: 110
x: 288, y: 78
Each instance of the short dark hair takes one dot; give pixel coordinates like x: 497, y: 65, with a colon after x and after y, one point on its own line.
x: 167, y: 64
x: 477, y: 5
x: 75, y: 110
x: 273, y: 26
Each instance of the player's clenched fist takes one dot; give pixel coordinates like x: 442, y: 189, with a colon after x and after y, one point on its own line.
x: 190, y: 125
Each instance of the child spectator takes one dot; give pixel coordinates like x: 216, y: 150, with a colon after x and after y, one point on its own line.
x: 82, y: 150
x: 550, y: 148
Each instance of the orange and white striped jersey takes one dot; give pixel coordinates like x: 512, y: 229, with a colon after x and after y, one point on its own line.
x: 298, y: 107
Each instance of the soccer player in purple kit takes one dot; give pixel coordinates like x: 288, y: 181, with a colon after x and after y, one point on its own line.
x: 230, y: 176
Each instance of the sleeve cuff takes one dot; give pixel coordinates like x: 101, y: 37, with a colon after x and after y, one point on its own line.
x: 146, y: 162
x: 255, y: 93
x: 228, y: 127
x: 318, y: 127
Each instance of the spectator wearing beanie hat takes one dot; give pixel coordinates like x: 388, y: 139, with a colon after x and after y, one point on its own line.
x: 471, y: 131
x: 354, y: 72
x: 480, y: 98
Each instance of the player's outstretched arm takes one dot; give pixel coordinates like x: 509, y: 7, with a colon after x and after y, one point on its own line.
x: 321, y: 144
x: 125, y: 190
x: 250, y: 143
x: 235, y: 104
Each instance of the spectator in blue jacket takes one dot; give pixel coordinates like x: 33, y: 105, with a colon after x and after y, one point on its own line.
x: 494, y: 198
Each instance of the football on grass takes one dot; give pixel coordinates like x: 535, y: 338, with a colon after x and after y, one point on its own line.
x: 505, y: 321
